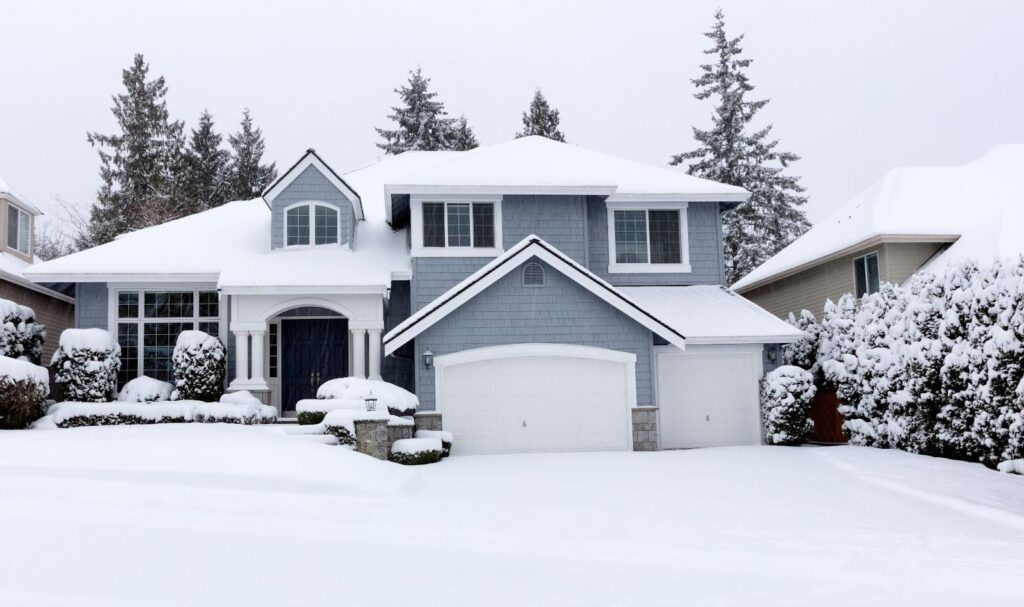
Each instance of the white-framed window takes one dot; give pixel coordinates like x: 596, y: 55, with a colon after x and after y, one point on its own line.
x: 149, y: 320
x: 19, y: 229
x: 454, y: 226
x: 646, y: 238
x: 865, y: 274
x: 311, y: 224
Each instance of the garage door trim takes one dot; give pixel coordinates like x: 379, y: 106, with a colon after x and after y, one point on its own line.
x: 628, y: 360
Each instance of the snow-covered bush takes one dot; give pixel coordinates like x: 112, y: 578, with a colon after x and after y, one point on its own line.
x: 199, y: 366
x: 20, y: 335
x: 145, y: 390
x: 86, y: 364
x: 444, y: 436
x: 390, y: 397
x: 239, y: 407
x: 804, y: 353
x: 23, y: 391
x: 78, y: 414
x: 416, y: 451
x: 341, y: 423
x: 786, y: 395
x: 312, y: 410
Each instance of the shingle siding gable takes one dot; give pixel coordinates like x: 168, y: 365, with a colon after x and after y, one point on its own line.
x: 311, y: 186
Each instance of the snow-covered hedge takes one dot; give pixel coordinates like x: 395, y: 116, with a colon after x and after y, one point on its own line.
x: 444, y: 436
x: 199, y: 366
x: 416, y: 451
x: 23, y: 391
x: 145, y: 390
x: 389, y: 396
x: 934, y: 366
x: 86, y: 364
x: 313, y: 410
x: 786, y: 395
x: 20, y: 335
x: 235, y: 410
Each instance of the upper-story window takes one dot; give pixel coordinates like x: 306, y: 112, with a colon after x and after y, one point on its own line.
x: 310, y: 223
x: 648, y: 239
x: 865, y: 274
x: 467, y: 227
x: 19, y: 230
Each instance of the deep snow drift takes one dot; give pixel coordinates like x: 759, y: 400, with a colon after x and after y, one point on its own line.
x: 226, y: 515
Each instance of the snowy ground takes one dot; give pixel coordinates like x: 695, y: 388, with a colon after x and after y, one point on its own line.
x: 206, y: 514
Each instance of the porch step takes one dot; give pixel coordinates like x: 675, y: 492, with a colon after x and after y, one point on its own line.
x: 287, y: 421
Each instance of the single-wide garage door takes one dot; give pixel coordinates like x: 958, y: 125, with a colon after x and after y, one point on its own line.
x: 521, y: 399
x: 708, y: 396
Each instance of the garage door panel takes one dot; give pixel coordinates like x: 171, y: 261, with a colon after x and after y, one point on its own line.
x: 536, y: 403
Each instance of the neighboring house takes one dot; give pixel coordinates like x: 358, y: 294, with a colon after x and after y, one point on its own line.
x: 913, y: 219
x: 534, y: 295
x: 52, y: 307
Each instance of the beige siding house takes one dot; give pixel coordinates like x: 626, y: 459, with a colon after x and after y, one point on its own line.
x: 913, y: 219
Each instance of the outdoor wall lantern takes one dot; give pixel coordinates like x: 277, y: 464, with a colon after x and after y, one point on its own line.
x: 428, y: 359
x: 773, y: 355
x: 371, y: 403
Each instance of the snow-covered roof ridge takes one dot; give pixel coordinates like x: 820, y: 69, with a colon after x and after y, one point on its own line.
x: 931, y: 204
x: 9, y: 192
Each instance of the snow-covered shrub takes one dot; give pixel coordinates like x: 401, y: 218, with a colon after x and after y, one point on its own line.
x: 145, y: 390
x: 20, y: 335
x: 23, y: 391
x: 78, y: 414
x: 390, y: 397
x: 786, y: 395
x: 416, y: 451
x: 341, y: 423
x: 311, y: 411
x: 804, y: 353
x: 235, y: 413
x: 1013, y: 466
x: 199, y: 366
x: 86, y: 364
x: 444, y: 436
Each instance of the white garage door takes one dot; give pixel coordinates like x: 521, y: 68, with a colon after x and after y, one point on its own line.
x: 537, y: 398
x: 708, y: 396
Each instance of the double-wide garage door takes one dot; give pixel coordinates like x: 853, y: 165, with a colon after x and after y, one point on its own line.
x: 536, y: 397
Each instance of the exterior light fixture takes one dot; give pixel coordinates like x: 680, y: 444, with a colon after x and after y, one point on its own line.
x: 773, y: 355
x: 428, y: 359
x: 371, y: 403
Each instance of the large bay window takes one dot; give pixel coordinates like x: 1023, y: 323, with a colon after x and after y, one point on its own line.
x: 148, y: 324
x: 19, y: 229
x: 456, y: 227
x: 309, y: 223
x: 648, y: 240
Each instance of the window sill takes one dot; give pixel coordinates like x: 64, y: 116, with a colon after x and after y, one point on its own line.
x: 456, y: 252
x: 648, y: 268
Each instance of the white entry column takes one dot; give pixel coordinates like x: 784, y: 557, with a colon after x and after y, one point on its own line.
x: 257, y: 357
x: 358, y: 352
x: 375, y: 345
x: 241, y: 356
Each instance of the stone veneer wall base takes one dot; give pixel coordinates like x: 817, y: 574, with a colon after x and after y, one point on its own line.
x: 428, y: 420
x: 645, y: 429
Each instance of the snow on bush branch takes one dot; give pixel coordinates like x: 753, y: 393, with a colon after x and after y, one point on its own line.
x: 786, y: 395
x: 20, y: 335
x: 199, y: 361
x: 933, y: 366
x: 86, y: 364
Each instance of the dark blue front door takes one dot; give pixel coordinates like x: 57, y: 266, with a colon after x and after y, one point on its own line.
x: 312, y: 352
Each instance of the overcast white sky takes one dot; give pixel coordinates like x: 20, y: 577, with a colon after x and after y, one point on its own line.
x: 856, y: 88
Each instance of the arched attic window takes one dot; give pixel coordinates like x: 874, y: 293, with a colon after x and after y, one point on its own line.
x: 308, y: 220
x: 533, y: 274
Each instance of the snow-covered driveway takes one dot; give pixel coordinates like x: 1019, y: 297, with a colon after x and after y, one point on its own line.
x: 213, y: 515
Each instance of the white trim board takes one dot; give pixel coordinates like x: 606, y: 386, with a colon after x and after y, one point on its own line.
x: 530, y: 247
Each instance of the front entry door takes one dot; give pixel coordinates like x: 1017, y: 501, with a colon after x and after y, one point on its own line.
x: 312, y: 352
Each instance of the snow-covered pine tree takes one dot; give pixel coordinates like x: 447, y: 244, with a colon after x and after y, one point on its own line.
x: 729, y: 153
x: 205, y: 176
x: 247, y: 176
x: 804, y: 353
x: 837, y: 349
x: 914, y: 408
x: 955, y: 418
x: 462, y: 137
x: 140, y: 164
x: 420, y: 122
x: 541, y: 119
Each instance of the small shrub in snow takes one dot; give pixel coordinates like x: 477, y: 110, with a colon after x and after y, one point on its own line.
x: 786, y: 395
x: 310, y: 418
x: 416, y: 451
x: 23, y: 391
x: 199, y: 360
x: 1013, y: 466
x: 78, y: 414
x: 313, y: 410
x: 234, y: 413
x: 145, y: 390
x: 86, y: 364
x: 20, y: 335
x: 444, y: 436
x: 390, y: 397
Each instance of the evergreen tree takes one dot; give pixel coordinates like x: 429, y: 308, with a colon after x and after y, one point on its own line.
x: 421, y: 122
x: 915, y: 409
x: 139, y: 165
x: 729, y: 153
x: 804, y: 353
x: 247, y: 177
x: 205, y: 176
x: 541, y: 119
x: 462, y: 137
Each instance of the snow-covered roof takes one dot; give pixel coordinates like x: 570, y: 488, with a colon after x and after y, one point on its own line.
x: 537, y: 164
x: 370, y: 181
x: 9, y: 192
x: 711, y: 314
x: 976, y: 204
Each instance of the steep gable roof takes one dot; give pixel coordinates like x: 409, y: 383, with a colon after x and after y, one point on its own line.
x: 311, y: 158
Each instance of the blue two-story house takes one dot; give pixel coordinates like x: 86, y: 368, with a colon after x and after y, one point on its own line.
x: 535, y: 295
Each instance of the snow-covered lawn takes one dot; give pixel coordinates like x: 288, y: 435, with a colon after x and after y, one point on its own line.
x: 210, y: 514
